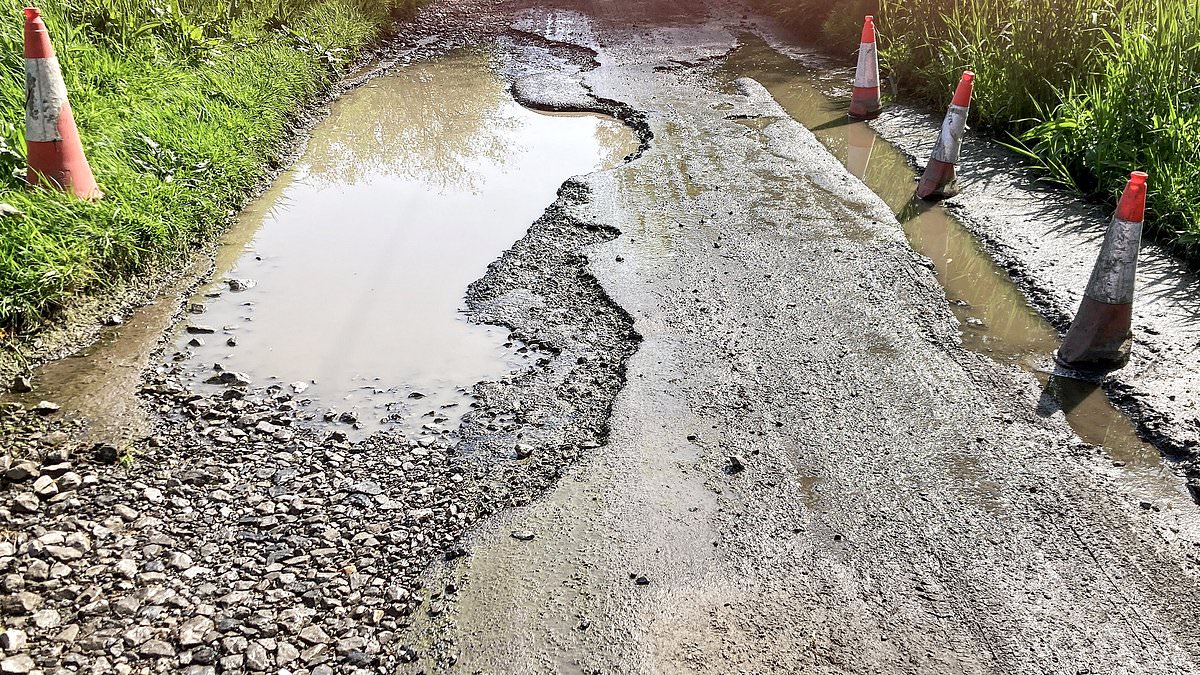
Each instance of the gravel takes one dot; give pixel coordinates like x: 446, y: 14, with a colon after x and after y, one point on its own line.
x: 246, y: 534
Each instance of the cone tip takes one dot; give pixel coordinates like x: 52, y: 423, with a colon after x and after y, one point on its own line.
x: 868, y: 29
x: 1132, y: 206
x: 32, y: 13
x: 966, y: 87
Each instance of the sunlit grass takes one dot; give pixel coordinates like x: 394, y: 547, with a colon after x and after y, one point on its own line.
x: 181, y: 108
x: 1142, y: 110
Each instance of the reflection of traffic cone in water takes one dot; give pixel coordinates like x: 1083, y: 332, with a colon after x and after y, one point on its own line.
x: 864, y: 103
x: 1099, y: 336
x: 860, y: 141
x: 51, y: 139
x: 939, y: 179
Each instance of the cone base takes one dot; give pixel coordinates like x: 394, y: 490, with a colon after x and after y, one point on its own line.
x: 863, y: 114
x: 1099, y: 339
x: 865, y: 104
x: 940, y: 181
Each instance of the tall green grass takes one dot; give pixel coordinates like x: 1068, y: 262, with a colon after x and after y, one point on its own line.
x: 1021, y: 50
x: 1089, y: 89
x: 1141, y: 109
x: 834, y: 23
x: 182, y: 107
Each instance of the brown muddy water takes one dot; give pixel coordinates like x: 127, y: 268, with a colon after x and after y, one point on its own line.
x: 361, y: 253
x: 994, y: 315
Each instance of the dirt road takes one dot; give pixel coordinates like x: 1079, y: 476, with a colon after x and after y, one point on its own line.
x: 744, y: 434
x: 902, y: 509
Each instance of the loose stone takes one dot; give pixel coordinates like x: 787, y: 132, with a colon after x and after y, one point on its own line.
x: 22, y: 471
x: 156, y: 649
x: 46, y: 408
x: 69, y: 481
x: 45, y: 487
x: 26, y: 502
x: 256, y: 657
x: 12, y: 640
x: 47, y: 618
x: 17, y: 665
x: 193, y: 631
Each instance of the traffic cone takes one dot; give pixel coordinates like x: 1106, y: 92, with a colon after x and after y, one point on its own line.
x: 1100, y: 335
x: 52, y: 144
x: 865, y: 103
x: 940, y: 180
x: 860, y: 143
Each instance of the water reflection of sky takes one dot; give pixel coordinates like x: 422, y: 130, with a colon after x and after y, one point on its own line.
x: 363, y: 252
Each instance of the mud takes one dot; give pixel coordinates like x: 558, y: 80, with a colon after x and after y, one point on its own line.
x: 905, y: 506
x: 96, y: 384
x: 234, y: 484
x: 749, y: 439
x: 85, y: 318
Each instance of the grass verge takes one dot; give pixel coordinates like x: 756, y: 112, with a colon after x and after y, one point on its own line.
x: 182, y: 107
x: 1087, y: 90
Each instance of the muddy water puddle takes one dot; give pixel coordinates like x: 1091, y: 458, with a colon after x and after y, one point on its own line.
x: 346, y: 280
x: 995, y: 317
x: 97, y: 383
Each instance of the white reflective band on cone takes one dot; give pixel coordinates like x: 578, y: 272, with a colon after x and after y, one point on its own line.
x: 45, y: 96
x: 1113, y: 277
x: 949, y: 143
x: 867, y: 74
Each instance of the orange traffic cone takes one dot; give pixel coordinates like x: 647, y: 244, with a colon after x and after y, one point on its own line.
x: 1100, y: 335
x: 864, y: 102
x: 52, y: 142
x: 940, y: 179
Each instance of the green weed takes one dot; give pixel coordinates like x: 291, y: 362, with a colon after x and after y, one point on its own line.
x: 182, y: 106
x: 127, y: 460
x: 1141, y: 111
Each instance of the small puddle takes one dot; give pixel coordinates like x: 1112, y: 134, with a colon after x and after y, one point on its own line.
x: 98, y: 383
x: 360, y: 255
x: 995, y: 317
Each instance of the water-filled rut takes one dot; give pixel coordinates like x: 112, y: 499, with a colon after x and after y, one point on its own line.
x: 346, y: 280
x: 427, y: 237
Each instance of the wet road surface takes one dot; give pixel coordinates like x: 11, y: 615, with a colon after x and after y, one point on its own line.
x: 994, y: 316
x: 816, y: 461
x: 904, y: 506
